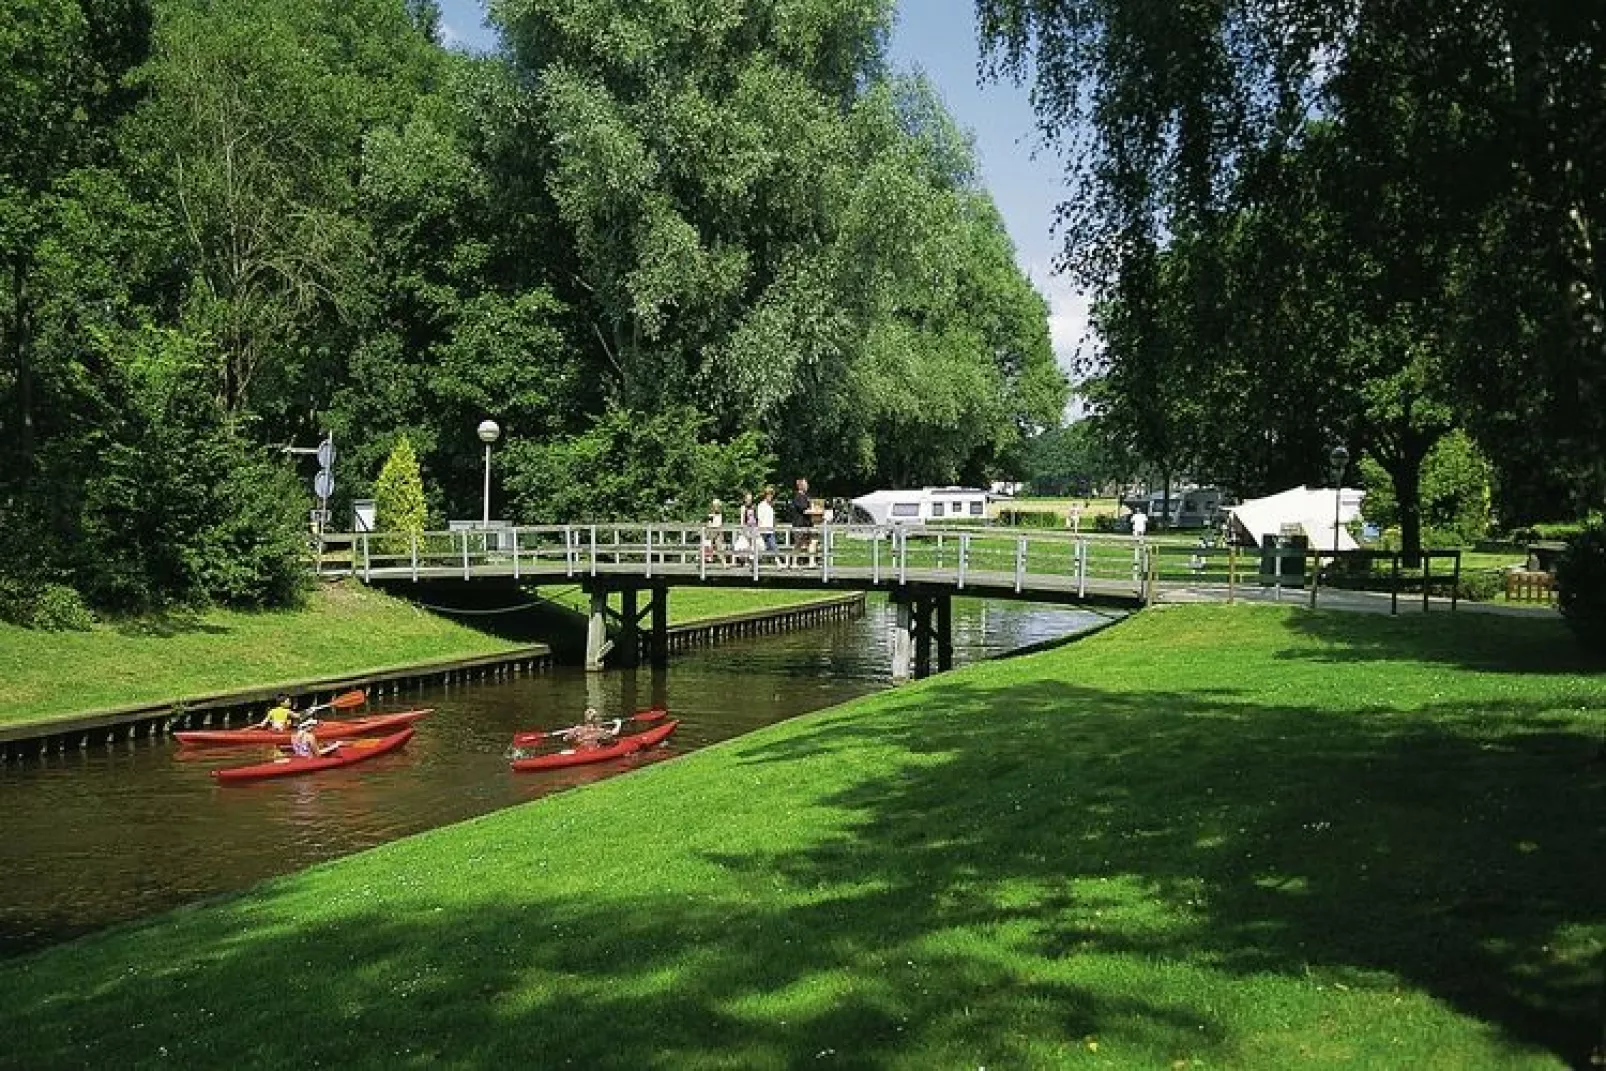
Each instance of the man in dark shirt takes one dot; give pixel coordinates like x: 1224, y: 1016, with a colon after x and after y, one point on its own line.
x: 802, y: 522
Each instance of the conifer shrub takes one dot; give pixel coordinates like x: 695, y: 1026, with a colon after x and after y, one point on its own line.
x: 399, y: 508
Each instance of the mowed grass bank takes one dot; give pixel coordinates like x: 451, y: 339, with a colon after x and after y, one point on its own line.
x: 1247, y: 837
x: 345, y: 629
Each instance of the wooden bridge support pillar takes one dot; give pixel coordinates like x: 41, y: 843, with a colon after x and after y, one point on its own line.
x: 597, y: 645
x: 626, y: 623
x: 922, y: 621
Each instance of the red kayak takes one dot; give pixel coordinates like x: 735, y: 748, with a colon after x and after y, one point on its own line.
x: 537, y: 736
x: 625, y: 745
x: 349, y: 752
x: 365, y: 726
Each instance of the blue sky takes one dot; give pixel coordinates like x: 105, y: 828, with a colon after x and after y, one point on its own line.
x: 939, y: 38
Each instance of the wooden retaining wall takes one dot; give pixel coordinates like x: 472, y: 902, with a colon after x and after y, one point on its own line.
x: 103, y: 728
x: 714, y: 630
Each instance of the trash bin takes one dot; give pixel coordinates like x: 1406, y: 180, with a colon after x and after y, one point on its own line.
x: 1282, y: 560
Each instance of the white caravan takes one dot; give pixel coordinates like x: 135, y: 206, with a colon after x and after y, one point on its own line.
x: 921, y: 506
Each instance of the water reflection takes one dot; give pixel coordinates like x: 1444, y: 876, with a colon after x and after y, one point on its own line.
x: 115, y: 833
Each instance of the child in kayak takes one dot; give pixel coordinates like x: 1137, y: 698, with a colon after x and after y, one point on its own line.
x: 304, y: 742
x: 592, y: 732
x: 280, y: 716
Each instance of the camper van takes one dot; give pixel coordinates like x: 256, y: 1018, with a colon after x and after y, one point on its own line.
x: 921, y: 506
x: 1191, y: 507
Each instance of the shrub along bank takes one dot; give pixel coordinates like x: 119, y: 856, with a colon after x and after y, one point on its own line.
x: 1212, y: 836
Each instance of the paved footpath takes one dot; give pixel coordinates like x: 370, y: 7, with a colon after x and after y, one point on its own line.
x: 1366, y: 602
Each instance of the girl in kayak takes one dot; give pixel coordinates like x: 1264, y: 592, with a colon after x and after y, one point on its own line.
x: 304, y: 742
x: 280, y: 716
x: 592, y: 732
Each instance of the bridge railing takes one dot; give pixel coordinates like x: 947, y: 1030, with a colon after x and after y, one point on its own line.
x: 882, y: 554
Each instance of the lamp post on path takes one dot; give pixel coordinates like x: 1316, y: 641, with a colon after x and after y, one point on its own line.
x: 488, y: 433
x: 1337, y: 461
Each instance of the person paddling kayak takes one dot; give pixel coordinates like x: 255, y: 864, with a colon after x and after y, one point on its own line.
x: 593, y: 732
x: 280, y: 716
x: 304, y: 742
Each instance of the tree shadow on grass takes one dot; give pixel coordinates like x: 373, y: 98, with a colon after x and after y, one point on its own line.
x: 1452, y: 851
x: 165, y: 624
x: 1483, y: 642
x: 1008, y: 875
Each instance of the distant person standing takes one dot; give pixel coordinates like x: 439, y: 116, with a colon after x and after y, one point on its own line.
x: 802, y: 523
x: 765, y: 513
x: 1140, y: 523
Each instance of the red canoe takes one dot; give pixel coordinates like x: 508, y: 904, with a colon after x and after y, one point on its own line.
x: 365, y: 726
x: 625, y: 745
x: 350, y: 751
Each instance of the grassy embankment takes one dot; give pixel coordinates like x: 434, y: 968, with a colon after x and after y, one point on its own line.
x: 1214, y: 836
x: 345, y: 629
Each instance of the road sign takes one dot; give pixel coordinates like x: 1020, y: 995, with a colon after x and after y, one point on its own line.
x: 326, y: 454
x: 324, y: 483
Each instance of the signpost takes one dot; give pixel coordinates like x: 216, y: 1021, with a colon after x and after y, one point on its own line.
x: 323, y: 485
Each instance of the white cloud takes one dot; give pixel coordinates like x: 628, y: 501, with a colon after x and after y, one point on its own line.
x: 1069, y: 325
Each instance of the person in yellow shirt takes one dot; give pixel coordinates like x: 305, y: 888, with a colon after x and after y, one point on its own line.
x: 280, y: 716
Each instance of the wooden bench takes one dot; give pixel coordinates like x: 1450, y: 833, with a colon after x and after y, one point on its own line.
x: 1530, y: 585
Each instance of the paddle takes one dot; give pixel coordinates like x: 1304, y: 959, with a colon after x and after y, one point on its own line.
x: 535, y: 736
x: 344, y: 701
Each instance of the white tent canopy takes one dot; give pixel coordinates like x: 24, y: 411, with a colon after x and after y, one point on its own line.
x: 1306, y: 509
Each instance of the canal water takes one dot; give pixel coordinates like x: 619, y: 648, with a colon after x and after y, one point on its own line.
x: 116, y: 833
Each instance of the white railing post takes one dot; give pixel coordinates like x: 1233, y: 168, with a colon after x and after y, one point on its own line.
x: 902, y: 552
x: 755, y: 546
x: 704, y: 552
x: 1081, y: 568
x: 367, y: 559
x: 515, y: 553
x: 1020, y: 562
x: 465, y: 554
x: 571, y: 550
x: 594, y: 548
x: 875, y: 557
x: 964, y: 556
x: 413, y: 539
x: 827, y: 542
x: 649, y: 551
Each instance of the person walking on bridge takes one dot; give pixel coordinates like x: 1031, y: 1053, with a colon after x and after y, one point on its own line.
x: 765, y: 514
x: 802, y: 525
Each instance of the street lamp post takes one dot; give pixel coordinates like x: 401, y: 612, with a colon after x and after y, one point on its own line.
x: 488, y: 433
x: 1337, y: 461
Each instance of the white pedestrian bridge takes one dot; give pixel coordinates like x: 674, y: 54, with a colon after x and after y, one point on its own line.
x: 920, y: 568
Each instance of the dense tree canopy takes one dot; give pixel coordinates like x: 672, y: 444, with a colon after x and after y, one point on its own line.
x: 1314, y: 221
x: 674, y: 249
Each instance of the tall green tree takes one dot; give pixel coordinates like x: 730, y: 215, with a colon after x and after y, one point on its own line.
x: 1458, y: 159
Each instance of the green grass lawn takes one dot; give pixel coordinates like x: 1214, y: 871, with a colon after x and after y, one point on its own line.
x: 1246, y: 837
x: 345, y: 629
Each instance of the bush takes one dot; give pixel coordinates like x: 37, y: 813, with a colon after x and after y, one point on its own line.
x: 1030, y: 518
x: 399, y: 499
x: 1480, y: 585
x: 1581, y: 577
x: 50, y: 607
x: 61, y: 609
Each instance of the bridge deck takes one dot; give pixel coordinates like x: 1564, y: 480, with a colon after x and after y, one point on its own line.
x: 1045, y: 567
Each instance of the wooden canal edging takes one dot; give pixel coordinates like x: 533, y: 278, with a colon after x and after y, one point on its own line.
x: 102, y: 728
x: 24, y: 740
x: 758, y: 622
